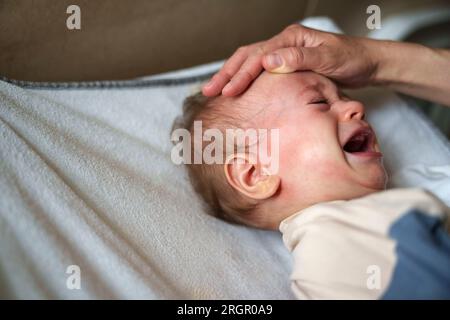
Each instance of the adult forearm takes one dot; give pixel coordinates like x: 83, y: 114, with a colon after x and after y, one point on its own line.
x: 413, y: 69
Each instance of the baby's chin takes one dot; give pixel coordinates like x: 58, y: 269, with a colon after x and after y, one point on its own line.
x: 375, y: 179
x: 346, y: 187
x: 375, y: 184
x: 353, y: 192
x: 353, y: 189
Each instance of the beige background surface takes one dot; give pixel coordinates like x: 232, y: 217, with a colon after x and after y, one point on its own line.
x: 124, y: 39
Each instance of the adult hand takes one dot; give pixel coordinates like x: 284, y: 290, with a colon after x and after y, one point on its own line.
x: 347, y: 60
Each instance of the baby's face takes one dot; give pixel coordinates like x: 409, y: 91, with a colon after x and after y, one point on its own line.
x: 327, y: 151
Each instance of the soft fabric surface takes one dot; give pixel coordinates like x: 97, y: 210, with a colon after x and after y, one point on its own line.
x: 86, y: 179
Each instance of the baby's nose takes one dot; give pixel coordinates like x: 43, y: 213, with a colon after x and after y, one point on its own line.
x: 350, y: 110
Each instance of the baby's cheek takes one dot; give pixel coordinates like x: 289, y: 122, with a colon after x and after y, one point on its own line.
x: 303, y: 153
x: 290, y: 154
x: 325, y: 168
x: 309, y: 164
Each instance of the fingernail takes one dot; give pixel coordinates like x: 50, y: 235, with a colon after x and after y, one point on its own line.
x: 274, y: 61
x: 207, y: 85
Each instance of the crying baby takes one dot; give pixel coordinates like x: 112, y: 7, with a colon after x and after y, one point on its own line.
x: 349, y: 237
x: 326, y: 150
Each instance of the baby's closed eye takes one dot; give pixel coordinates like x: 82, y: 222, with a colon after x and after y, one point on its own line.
x: 319, y: 101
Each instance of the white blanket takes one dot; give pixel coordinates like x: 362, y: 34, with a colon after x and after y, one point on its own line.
x: 86, y: 180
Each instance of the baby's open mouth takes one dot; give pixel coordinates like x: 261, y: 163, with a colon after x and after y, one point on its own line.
x: 362, y: 143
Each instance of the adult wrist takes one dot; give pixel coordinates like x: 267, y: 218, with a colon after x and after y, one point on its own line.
x: 381, y: 54
x: 394, y: 61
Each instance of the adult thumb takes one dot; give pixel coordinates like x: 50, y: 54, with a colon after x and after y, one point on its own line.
x: 291, y: 59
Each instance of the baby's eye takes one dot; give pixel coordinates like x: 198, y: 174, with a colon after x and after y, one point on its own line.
x: 320, y: 101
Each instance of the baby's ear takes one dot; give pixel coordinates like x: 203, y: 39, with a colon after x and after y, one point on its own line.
x: 250, y: 178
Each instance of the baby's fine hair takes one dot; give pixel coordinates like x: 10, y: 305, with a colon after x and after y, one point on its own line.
x: 209, y: 180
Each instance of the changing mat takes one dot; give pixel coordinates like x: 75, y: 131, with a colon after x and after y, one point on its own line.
x: 87, y: 181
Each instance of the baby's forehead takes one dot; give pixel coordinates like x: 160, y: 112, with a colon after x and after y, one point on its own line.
x: 269, y: 85
x: 272, y: 90
x: 273, y: 87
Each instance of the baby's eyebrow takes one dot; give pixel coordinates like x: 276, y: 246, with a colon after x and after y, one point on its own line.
x: 310, y: 87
